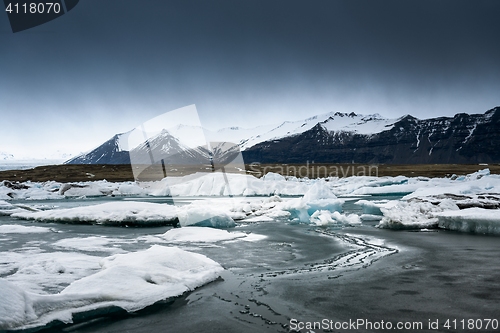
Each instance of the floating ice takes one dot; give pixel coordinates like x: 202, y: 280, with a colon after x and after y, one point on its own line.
x: 90, y: 244
x: 475, y: 183
x: 204, y: 215
x: 370, y: 217
x: 372, y: 207
x: 20, y: 229
x: 15, y: 306
x: 200, y: 235
x: 438, y: 205
x: 41, y: 272
x: 262, y: 210
x: 29, y: 191
x: 325, y: 217
x: 271, y: 176
x: 129, y: 281
x: 218, y: 184
x: 110, y: 213
x: 476, y: 220
x: 414, y: 214
x: 9, y: 209
x: 5, y: 205
x: 318, y: 197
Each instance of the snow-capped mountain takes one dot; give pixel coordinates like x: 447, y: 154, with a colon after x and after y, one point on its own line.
x: 110, y: 152
x: 463, y: 138
x: 333, y: 121
x: 327, y: 138
x: 5, y: 156
x: 168, y: 147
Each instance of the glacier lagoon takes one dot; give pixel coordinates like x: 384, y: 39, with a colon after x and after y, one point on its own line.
x: 270, y: 271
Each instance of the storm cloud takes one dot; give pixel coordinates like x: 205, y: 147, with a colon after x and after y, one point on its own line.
x: 107, y: 66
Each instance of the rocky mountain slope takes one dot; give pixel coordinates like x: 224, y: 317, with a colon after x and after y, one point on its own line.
x: 330, y: 138
x: 460, y: 139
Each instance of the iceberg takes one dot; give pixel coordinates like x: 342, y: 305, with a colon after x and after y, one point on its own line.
x: 318, y: 197
x: 325, y: 217
x: 204, y: 215
x: 372, y: 207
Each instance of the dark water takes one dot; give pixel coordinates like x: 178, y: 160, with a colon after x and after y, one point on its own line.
x: 432, y: 277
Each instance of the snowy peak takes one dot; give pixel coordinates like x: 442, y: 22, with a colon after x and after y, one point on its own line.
x: 463, y: 138
x: 362, y: 124
x: 110, y: 152
x: 164, y: 146
x: 332, y: 121
x: 333, y: 137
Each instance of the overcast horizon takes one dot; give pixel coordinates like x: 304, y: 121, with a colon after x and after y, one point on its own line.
x: 107, y: 66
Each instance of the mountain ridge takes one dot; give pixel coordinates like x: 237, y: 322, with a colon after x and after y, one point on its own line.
x: 463, y: 138
x: 337, y: 137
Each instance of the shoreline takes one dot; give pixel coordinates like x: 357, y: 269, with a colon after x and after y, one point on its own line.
x: 65, y: 173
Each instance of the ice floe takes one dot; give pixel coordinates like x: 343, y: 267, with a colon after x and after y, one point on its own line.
x: 467, y: 203
x: 218, y: 184
x: 204, y: 215
x: 110, y: 213
x: 414, y: 214
x: 46, y: 272
x: 200, y: 235
x: 325, y: 217
x: 129, y: 281
x: 372, y: 207
x: 476, y: 220
x: 285, y: 198
x: 90, y: 244
x: 21, y: 229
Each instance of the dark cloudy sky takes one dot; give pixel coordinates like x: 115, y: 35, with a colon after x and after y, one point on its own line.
x: 109, y: 65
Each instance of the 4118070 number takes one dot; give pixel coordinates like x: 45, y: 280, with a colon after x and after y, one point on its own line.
x: 34, y: 8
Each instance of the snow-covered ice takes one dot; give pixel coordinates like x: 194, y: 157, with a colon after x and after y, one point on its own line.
x: 476, y: 220
x: 423, y: 197
x: 372, y: 207
x: 45, y: 272
x: 38, y: 286
x: 456, y: 203
x: 200, y: 234
x: 110, y: 213
x: 20, y: 229
x: 414, y: 214
x: 90, y: 244
x: 204, y: 215
x: 325, y: 217
x: 129, y: 281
